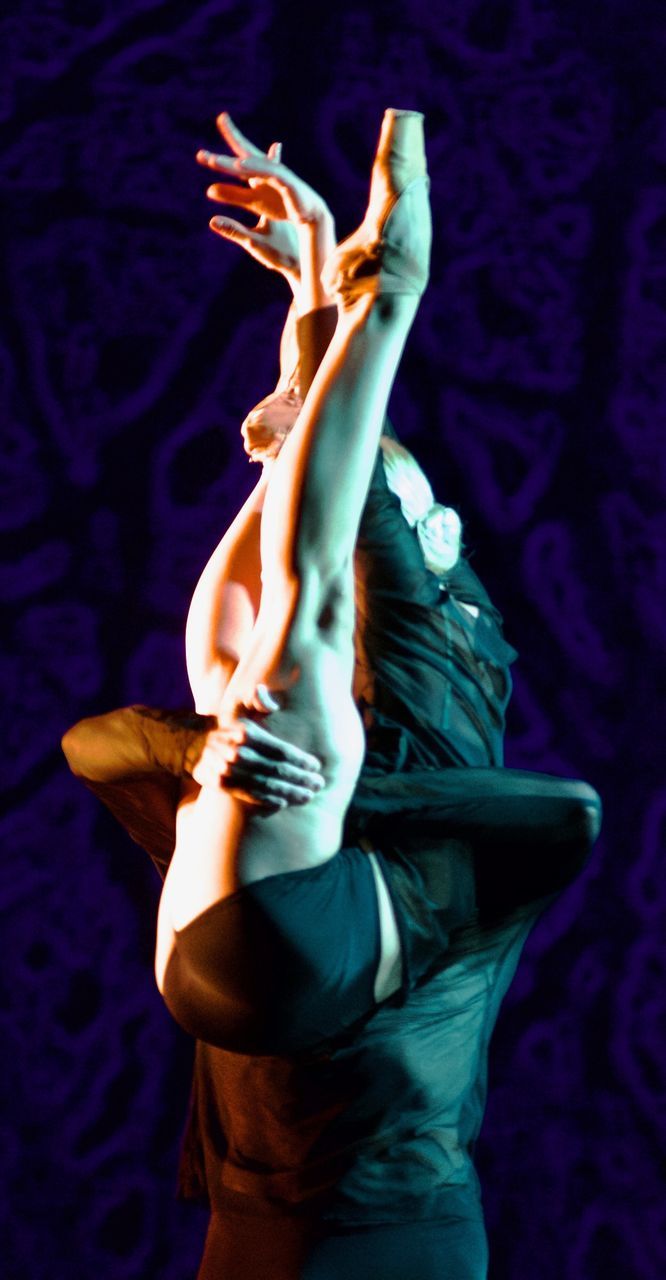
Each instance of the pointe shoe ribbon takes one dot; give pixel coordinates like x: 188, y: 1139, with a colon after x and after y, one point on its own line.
x: 390, y: 251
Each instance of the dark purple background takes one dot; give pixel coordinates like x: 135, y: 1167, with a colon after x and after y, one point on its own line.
x: 534, y: 390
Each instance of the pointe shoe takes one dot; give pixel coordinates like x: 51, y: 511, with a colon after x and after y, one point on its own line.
x: 390, y: 251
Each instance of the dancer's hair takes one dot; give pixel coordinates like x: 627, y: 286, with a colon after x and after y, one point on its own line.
x: 438, y: 528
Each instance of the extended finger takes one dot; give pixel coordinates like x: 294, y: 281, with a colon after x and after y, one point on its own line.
x: 266, y: 790
x: 235, y: 139
x: 225, y: 193
x: 262, y: 166
x: 275, y: 151
x: 248, y: 237
x: 266, y: 699
x: 279, y: 748
x: 223, y: 164
x: 245, y: 756
x: 273, y: 174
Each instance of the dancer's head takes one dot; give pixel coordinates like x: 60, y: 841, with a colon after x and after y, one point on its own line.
x: 267, y: 426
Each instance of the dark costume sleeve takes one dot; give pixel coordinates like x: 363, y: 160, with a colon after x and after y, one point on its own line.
x: 132, y: 759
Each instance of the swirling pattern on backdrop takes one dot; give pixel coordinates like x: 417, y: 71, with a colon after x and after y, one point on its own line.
x: 132, y: 344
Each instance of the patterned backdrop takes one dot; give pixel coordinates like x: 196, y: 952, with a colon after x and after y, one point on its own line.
x: 533, y: 389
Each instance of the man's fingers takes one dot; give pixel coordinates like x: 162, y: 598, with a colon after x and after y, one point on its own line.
x: 266, y: 743
x: 267, y: 790
x: 275, y: 151
x: 263, y: 789
x: 278, y: 748
x: 234, y: 753
x: 245, y: 757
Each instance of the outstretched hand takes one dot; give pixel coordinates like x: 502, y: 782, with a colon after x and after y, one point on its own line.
x: 282, y: 202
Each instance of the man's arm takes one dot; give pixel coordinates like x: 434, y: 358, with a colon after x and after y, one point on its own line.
x: 133, y: 759
x: 136, y: 759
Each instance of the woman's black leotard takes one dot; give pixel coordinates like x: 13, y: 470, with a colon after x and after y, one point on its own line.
x: 290, y: 960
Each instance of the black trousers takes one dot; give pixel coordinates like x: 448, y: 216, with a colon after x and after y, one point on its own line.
x: 272, y: 1249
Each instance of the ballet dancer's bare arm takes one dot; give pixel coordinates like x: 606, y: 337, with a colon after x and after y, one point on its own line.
x: 294, y: 234
x: 138, y: 760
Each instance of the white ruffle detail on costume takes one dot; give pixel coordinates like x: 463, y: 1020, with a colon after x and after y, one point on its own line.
x: 439, y: 528
x: 440, y: 534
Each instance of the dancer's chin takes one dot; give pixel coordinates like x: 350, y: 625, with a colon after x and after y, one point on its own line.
x: 265, y: 454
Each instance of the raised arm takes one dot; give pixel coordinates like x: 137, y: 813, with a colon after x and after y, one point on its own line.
x: 224, y: 605
x: 137, y: 759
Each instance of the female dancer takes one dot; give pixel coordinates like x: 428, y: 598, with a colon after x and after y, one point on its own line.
x: 271, y: 936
